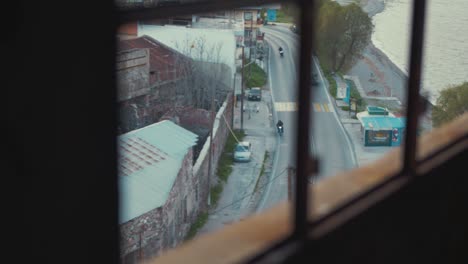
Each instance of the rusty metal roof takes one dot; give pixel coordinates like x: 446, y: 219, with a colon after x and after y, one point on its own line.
x: 149, y: 161
x: 166, y: 64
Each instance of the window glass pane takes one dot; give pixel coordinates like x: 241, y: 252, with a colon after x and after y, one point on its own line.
x: 179, y: 82
x: 445, y: 71
x: 358, y: 82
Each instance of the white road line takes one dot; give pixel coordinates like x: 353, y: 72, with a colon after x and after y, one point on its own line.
x: 351, y: 149
x: 261, y: 206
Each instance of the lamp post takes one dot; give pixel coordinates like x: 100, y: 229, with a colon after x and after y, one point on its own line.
x: 242, y: 88
x: 242, y: 91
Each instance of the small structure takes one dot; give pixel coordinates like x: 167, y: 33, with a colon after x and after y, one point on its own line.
x: 380, y: 127
x: 159, y: 195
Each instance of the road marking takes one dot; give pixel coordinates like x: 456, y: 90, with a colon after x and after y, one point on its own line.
x: 286, y: 106
x: 325, y: 106
x: 292, y: 107
x: 317, y: 107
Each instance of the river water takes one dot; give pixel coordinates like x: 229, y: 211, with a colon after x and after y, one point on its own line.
x: 445, y: 59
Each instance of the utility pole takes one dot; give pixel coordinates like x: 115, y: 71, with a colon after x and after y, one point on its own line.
x: 250, y: 50
x: 291, y: 175
x: 242, y: 91
x: 140, y: 251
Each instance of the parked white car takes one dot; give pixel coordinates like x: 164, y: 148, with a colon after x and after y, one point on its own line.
x: 243, y: 151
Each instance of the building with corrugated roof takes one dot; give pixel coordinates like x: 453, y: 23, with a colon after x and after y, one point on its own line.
x: 380, y: 127
x: 154, y: 79
x: 159, y: 195
x: 150, y: 78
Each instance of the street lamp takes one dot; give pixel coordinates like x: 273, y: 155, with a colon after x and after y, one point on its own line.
x: 242, y: 91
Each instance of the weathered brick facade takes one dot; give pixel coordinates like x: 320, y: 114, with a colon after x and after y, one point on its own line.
x: 166, y: 226
x: 163, y: 98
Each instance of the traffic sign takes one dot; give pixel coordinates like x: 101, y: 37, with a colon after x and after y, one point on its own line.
x: 271, y: 15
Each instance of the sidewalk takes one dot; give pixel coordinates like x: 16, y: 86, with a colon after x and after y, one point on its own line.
x: 352, y: 127
x: 236, y: 201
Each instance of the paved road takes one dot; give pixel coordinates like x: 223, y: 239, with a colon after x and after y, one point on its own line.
x: 329, y: 140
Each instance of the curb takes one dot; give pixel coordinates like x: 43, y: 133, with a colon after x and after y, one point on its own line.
x: 347, y: 136
x: 261, y: 203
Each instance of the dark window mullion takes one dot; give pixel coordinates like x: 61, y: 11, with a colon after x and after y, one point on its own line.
x: 305, y: 164
x: 413, y: 100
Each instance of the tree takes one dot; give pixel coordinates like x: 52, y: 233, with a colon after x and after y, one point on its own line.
x: 452, y: 102
x: 343, y: 33
x: 202, y: 70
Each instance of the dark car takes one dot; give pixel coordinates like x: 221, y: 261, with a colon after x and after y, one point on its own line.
x: 294, y: 28
x: 314, y: 79
x: 254, y: 94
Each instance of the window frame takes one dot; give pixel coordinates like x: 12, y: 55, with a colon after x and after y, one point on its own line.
x: 306, y: 162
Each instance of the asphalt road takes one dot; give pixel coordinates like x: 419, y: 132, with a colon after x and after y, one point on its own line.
x: 329, y: 140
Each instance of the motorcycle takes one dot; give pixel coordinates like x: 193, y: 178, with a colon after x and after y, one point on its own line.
x: 281, y: 51
x: 280, y: 130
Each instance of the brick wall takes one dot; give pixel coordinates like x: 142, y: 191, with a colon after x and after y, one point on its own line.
x: 146, y: 109
x: 164, y: 227
x: 132, y: 73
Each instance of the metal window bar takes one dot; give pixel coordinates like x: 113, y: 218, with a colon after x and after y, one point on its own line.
x: 413, y: 99
x: 305, y: 162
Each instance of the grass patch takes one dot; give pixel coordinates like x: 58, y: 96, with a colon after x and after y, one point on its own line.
x: 215, y: 193
x: 262, y: 170
x: 226, y: 160
x: 258, y: 77
x: 282, y: 17
x: 344, y: 108
x: 199, y: 223
x: 354, y: 93
x: 331, y: 81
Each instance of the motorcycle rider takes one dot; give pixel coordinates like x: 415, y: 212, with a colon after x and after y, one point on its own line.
x: 279, y: 124
x: 281, y: 51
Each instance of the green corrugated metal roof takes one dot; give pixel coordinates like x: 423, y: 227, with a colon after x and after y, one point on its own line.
x: 376, y: 110
x: 149, y: 161
x: 382, y: 122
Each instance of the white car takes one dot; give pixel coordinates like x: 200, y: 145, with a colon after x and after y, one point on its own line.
x: 243, y: 151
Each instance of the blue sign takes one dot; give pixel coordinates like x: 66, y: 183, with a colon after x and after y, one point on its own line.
x: 271, y: 15
x: 348, y: 93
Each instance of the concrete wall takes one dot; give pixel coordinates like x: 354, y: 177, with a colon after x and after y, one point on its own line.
x: 164, y: 227
x: 221, y: 133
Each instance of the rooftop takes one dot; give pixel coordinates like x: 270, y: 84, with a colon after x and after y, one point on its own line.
x: 382, y: 122
x: 163, y: 59
x: 149, y: 161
